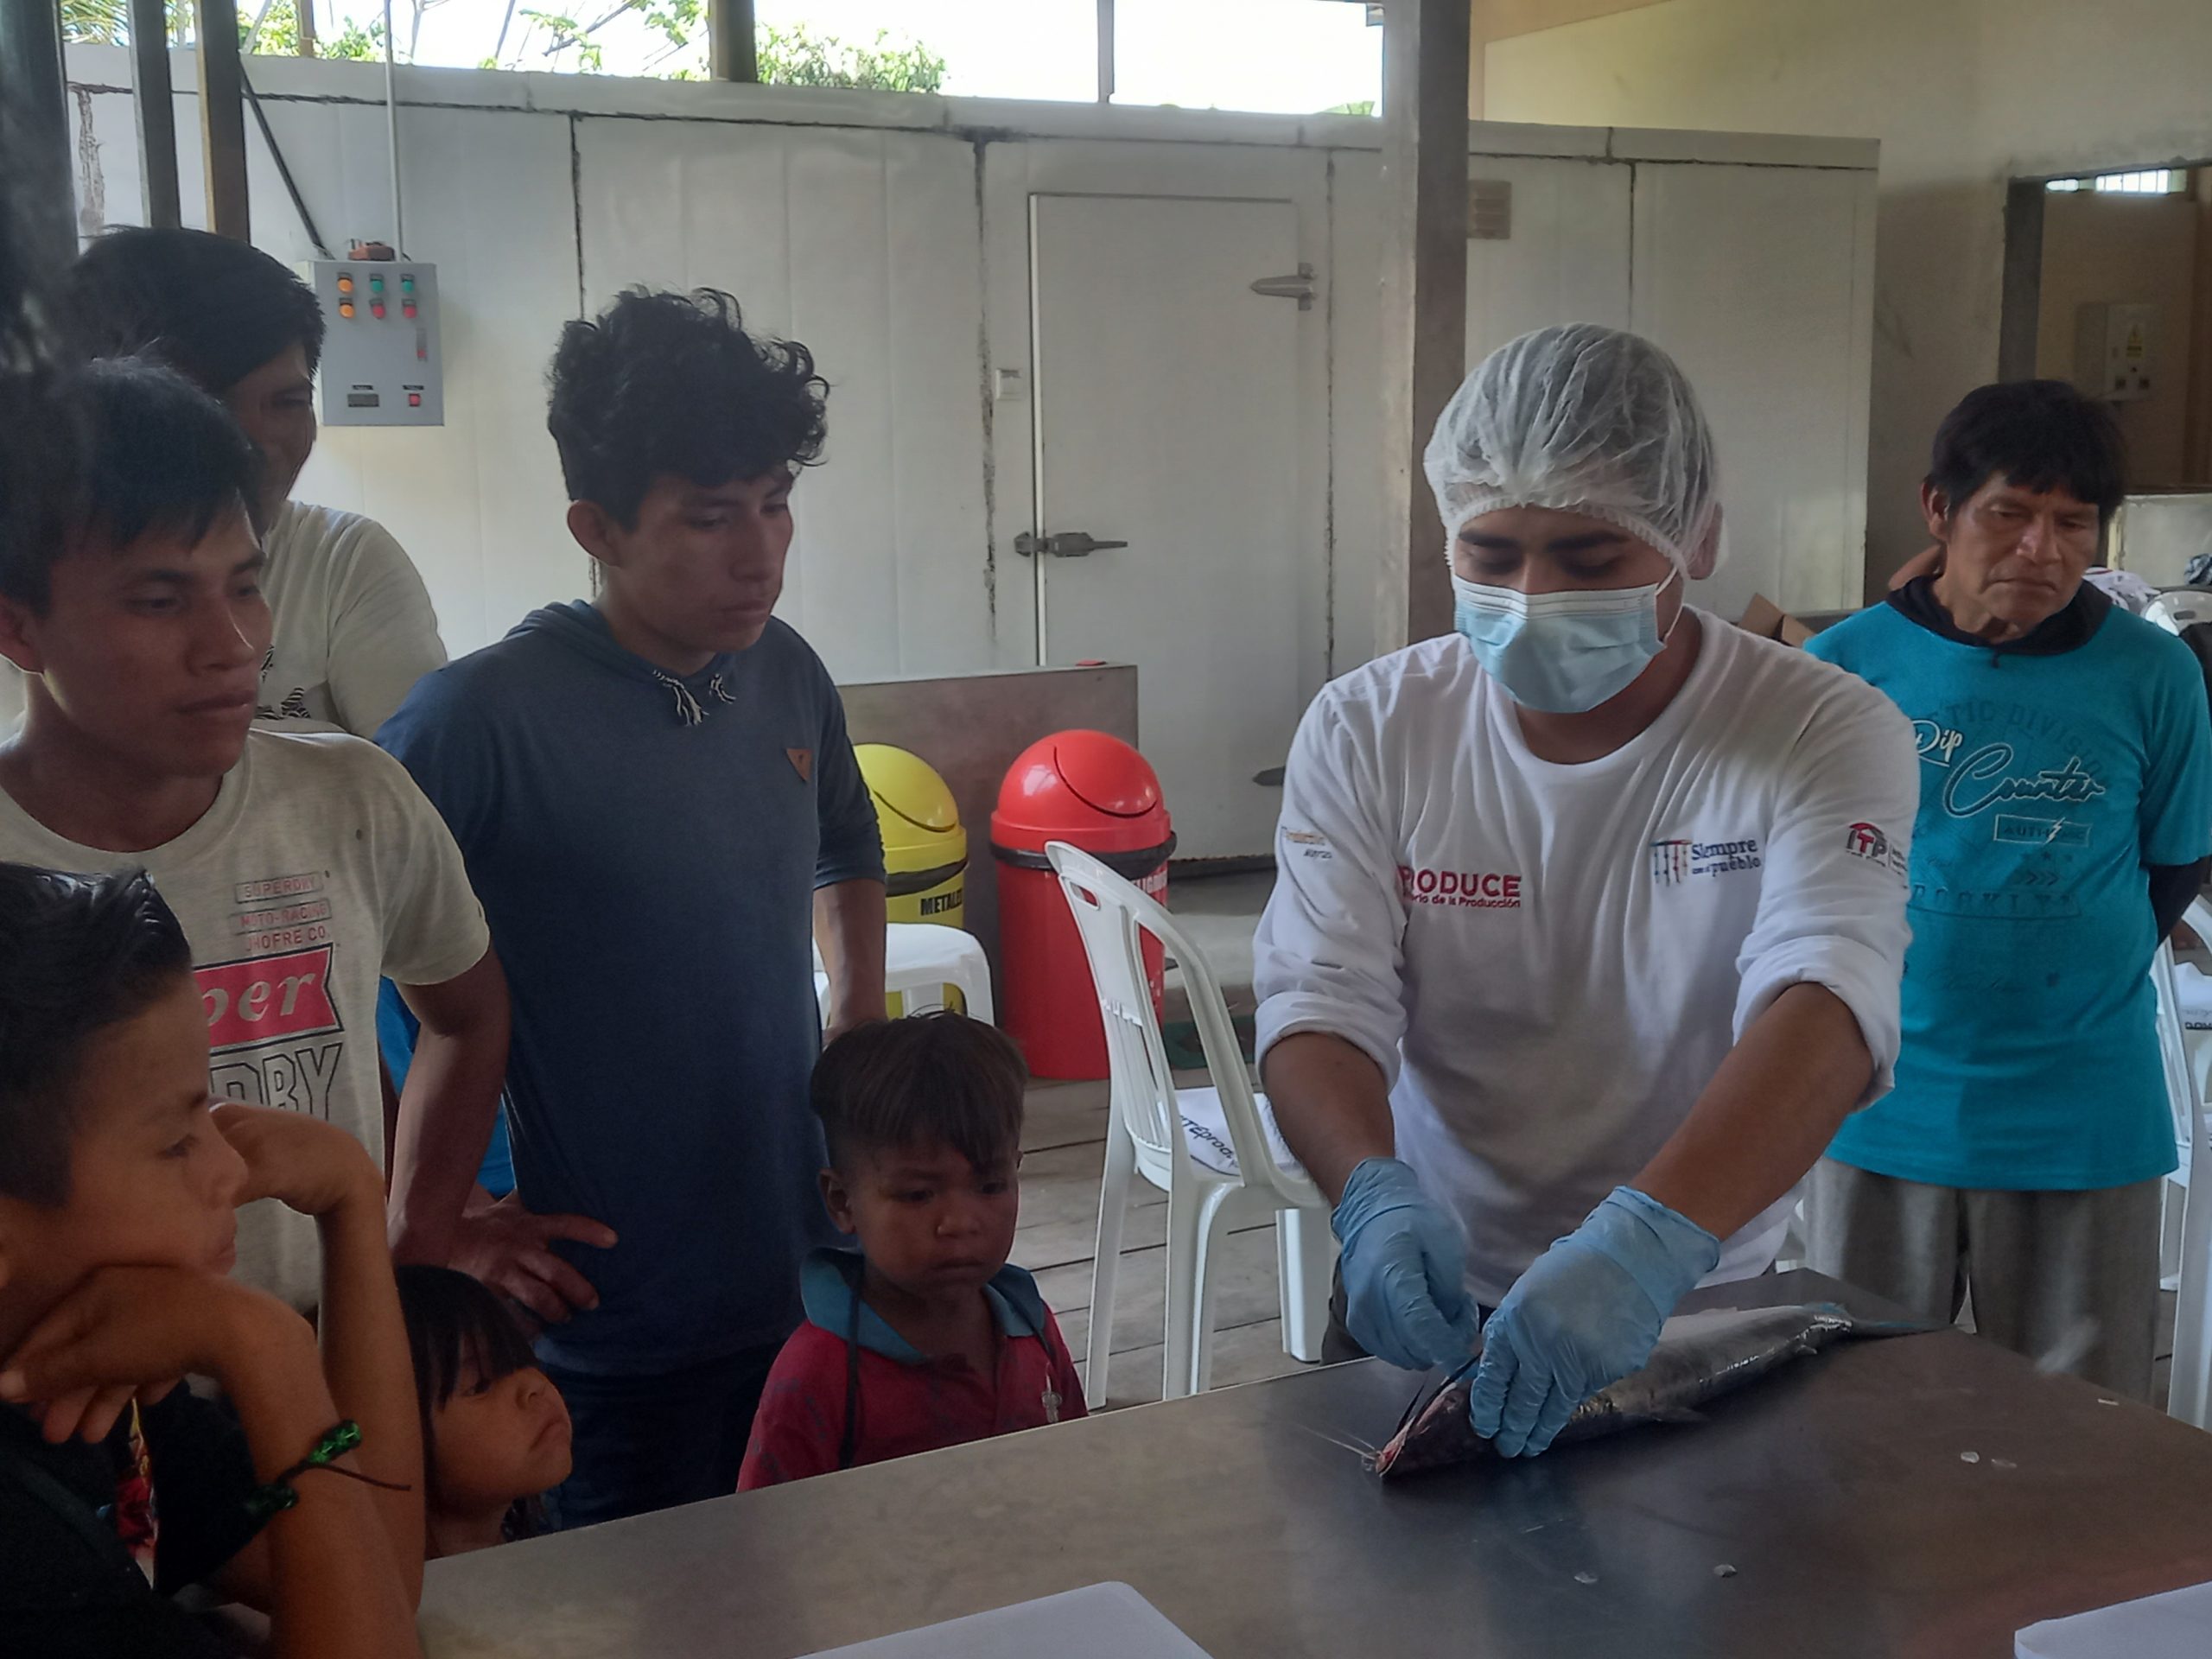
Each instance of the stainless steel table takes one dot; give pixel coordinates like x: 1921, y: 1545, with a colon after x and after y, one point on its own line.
x: 1839, y: 1491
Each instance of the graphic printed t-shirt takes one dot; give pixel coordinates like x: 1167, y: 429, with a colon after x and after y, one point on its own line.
x: 319, y: 867
x: 1550, y: 963
x: 2048, y: 785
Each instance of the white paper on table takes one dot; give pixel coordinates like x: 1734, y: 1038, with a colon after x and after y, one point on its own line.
x: 2174, y: 1626
x: 1101, y: 1621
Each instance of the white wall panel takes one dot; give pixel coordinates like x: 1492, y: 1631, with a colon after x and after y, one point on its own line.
x: 1759, y: 280
x: 477, y: 502
x: 864, y: 246
x: 891, y: 235
x: 1566, y: 260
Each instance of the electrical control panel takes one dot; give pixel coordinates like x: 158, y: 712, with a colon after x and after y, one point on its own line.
x: 2114, y: 349
x: 382, y: 361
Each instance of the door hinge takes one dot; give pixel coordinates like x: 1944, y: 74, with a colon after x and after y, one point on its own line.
x: 1298, y: 287
x: 1067, y: 544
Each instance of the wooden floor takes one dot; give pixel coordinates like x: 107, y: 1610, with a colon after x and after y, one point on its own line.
x: 1063, y: 1150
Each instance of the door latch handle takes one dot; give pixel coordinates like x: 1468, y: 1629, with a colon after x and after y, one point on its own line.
x: 1067, y: 544
x: 1298, y: 287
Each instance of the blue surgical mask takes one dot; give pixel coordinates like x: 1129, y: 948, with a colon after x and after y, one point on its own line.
x: 1562, y: 653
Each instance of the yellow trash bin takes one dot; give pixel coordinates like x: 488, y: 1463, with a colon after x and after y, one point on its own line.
x: 925, y: 846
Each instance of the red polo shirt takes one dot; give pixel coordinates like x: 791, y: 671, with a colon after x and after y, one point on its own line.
x: 907, y: 1402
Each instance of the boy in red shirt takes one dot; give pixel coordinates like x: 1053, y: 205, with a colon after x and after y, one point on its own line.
x: 924, y: 1337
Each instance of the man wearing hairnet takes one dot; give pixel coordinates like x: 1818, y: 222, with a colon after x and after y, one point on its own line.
x: 1591, y: 914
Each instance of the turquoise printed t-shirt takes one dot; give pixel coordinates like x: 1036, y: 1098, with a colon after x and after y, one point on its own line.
x: 2048, y: 786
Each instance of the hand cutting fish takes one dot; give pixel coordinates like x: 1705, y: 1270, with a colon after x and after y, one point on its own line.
x: 1698, y: 1358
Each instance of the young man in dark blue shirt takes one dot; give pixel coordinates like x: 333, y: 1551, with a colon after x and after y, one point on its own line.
x: 660, y: 808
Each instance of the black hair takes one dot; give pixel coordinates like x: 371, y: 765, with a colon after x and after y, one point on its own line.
x: 211, y: 306
x: 157, y: 455
x: 458, y: 1329
x: 79, y: 954
x: 673, y: 384
x: 933, y: 1078
x: 2035, y: 435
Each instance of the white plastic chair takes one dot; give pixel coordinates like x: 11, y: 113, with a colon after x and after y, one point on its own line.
x: 919, y: 960
x: 2189, y: 1389
x: 1213, y: 1151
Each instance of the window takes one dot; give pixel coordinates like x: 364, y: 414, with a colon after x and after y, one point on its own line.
x: 1292, y: 56
x: 983, y: 49
x: 1287, y: 56
x: 2148, y: 181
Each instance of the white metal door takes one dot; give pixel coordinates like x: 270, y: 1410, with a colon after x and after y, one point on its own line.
x: 1758, y: 281
x: 1166, y: 419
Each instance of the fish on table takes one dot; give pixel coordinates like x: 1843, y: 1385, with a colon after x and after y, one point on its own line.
x: 1699, y: 1357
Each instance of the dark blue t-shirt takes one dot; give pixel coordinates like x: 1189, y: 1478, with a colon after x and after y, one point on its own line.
x: 647, y: 850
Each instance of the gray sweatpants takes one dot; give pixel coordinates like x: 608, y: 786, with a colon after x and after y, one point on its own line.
x: 2069, y: 1279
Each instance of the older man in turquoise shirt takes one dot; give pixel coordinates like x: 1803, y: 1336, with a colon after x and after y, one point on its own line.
x: 2065, y: 817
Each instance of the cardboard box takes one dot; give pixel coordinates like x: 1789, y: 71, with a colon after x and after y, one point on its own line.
x: 1769, y: 622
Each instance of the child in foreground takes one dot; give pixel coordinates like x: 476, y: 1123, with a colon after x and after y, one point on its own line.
x: 924, y: 1337
x: 495, y: 1431
x: 119, y: 1191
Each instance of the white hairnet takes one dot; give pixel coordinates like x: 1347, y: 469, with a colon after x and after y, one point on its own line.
x: 1584, y: 419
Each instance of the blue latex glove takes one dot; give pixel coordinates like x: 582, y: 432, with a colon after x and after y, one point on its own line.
x: 1403, y: 1267
x: 1584, y: 1315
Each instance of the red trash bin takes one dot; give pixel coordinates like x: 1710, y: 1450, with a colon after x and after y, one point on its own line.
x: 1092, y: 791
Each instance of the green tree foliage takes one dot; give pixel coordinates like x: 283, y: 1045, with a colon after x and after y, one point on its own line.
x: 798, y: 56
x: 355, y: 42
x: 108, y: 23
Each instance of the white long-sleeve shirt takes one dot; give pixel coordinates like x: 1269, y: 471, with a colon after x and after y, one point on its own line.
x: 1550, y: 963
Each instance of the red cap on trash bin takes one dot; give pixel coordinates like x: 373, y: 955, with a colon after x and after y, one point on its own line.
x: 1086, y: 788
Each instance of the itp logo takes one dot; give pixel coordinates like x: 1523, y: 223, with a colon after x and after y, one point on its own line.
x: 1871, y: 842
x: 1670, y: 862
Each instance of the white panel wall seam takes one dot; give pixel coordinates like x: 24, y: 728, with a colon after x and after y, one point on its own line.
x: 577, y: 207
x: 899, y: 547
x: 988, y: 397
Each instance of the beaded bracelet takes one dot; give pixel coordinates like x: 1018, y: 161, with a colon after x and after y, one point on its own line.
x: 279, y: 1494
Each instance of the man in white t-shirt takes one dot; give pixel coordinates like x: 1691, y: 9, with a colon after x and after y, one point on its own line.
x: 353, y: 626
x: 302, y: 868
x: 1591, y: 915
